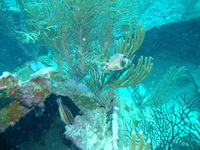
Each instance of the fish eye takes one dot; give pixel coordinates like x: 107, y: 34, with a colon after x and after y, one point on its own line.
x: 124, y: 56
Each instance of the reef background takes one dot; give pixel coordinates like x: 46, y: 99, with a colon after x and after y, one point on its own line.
x: 172, y: 38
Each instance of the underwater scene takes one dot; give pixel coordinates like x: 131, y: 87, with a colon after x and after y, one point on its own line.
x: 99, y: 75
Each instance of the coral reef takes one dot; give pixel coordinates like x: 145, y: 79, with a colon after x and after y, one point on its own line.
x: 12, y: 114
x: 36, y: 89
x: 88, y: 131
x: 81, y: 36
x: 24, y: 95
x: 9, y: 85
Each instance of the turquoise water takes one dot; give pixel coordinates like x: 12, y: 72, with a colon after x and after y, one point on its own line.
x: 118, y: 66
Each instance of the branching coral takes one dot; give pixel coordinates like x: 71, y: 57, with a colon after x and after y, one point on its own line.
x: 165, y: 87
x: 141, y: 143
x: 128, y: 76
x: 75, y: 30
x: 168, y: 126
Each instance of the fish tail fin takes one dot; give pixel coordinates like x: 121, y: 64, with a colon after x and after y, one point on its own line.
x: 59, y: 101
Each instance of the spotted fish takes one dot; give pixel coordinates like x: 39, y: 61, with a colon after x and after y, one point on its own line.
x: 116, y: 62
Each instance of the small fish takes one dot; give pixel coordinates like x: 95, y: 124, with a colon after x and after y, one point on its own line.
x: 39, y: 111
x: 116, y: 62
x: 65, y: 113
